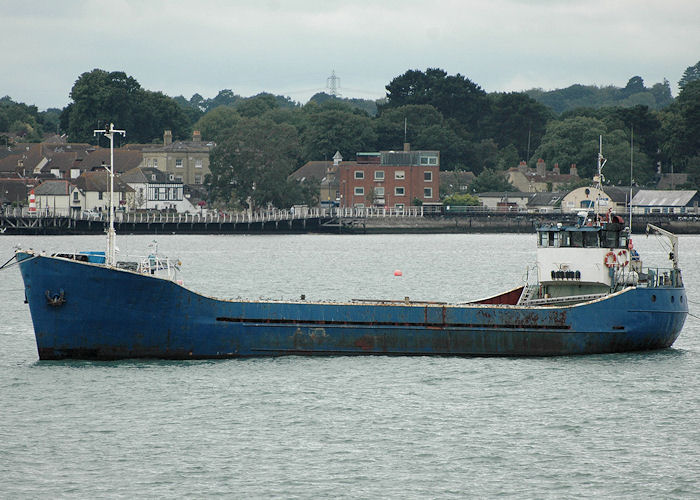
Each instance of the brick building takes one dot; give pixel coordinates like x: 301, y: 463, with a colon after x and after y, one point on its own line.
x: 391, y: 179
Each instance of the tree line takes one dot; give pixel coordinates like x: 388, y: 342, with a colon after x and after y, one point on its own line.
x: 261, y: 139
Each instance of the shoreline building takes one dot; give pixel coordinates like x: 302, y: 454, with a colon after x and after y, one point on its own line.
x: 391, y: 179
x: 539, y: 179
x: 187, y: 161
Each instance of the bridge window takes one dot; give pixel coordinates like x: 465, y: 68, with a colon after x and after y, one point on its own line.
x: 590, y: 239
x: 565, y: 239
x: 577, y: 239
x: 609, y: 239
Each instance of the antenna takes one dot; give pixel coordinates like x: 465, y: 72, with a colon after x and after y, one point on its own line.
x: 332, y: 84
x: 631, y: 172
x: 111, y: 257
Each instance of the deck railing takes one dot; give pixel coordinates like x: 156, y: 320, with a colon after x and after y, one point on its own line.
x: 657, y: 277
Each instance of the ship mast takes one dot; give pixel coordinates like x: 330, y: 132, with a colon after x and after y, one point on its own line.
x: 599, y: 177
x: 111, y: 257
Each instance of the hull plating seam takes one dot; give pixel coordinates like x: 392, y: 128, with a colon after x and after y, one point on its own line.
x: 390, y: 323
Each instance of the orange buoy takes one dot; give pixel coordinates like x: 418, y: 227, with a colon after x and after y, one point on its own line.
x: 398, y: 272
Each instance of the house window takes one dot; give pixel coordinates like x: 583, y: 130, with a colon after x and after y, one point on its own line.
x: 428, y: 176
x: 197, y: 179
x: 359, y: 191
x: 427, y: 192
x: 198, y: 163
x: 428, y: 160
x: 99, y: 195
x: 359, y: 174
x: 379, y: 175
x: 155, y: 162
x: 399, y: 191
x: 399, y: 174
x: 379, y: 192
x: 178, y: 162
x: 398, y: 206
x: 178, y: 178
x: 75, y: 196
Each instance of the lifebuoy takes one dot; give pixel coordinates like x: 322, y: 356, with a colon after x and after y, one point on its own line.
x: 610, y: 259
x: 623, y: 258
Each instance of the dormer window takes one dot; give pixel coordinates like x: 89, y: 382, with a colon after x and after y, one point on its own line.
x: 153, y: 177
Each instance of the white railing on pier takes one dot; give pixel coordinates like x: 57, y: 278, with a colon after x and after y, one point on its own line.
x: 279, y: 215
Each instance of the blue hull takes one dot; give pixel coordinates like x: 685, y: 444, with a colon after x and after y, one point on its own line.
x: 88, y: 311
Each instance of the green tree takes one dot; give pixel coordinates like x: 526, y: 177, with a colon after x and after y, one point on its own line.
x: 634, y: 85
x: 154, y: 113
x: 333, y: 127
x: 454, y: 151
x: 216, y: 121
x: 411, y: 119
x: 455, y: 96
x: 20, y: 119
x: 251, y: 161
x: 572, y: 140
x: 517, y: 119
x: 100, y: 97
x: 689, y: 110
x: 257, y: 105
x: 662, y: 94
x: 577, y: 140
x: 462, y: 200
x: 487, y: 156
x: 491, y: 180
x: 225, y: 97
x: 690, y: 74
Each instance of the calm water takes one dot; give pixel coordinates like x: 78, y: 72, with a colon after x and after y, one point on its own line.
x: 624, y: 426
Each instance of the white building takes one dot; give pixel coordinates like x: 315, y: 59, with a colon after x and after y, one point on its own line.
x: 157, y: 190
x: 93, y: 192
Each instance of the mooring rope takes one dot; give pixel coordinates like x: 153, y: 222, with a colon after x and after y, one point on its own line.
x: 8, y: 264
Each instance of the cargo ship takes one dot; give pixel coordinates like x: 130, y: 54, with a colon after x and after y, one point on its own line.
x: 591, y: 295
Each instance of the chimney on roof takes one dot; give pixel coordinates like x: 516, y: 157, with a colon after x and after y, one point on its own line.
x: 337, y: 158
x: 541, y: 167
x: 555, y: 170
x: 522, y: 167
x: 196, y: 136
x: 406, y: 146
x: 573, y: 172
x: 167, y: 137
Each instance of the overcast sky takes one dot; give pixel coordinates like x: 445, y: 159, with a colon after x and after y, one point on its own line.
x: 290, y: 47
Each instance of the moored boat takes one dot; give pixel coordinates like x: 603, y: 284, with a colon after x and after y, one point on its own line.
x: 592, y: 295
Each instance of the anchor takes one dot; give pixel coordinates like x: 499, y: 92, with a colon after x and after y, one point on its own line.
x: 56, y: 299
